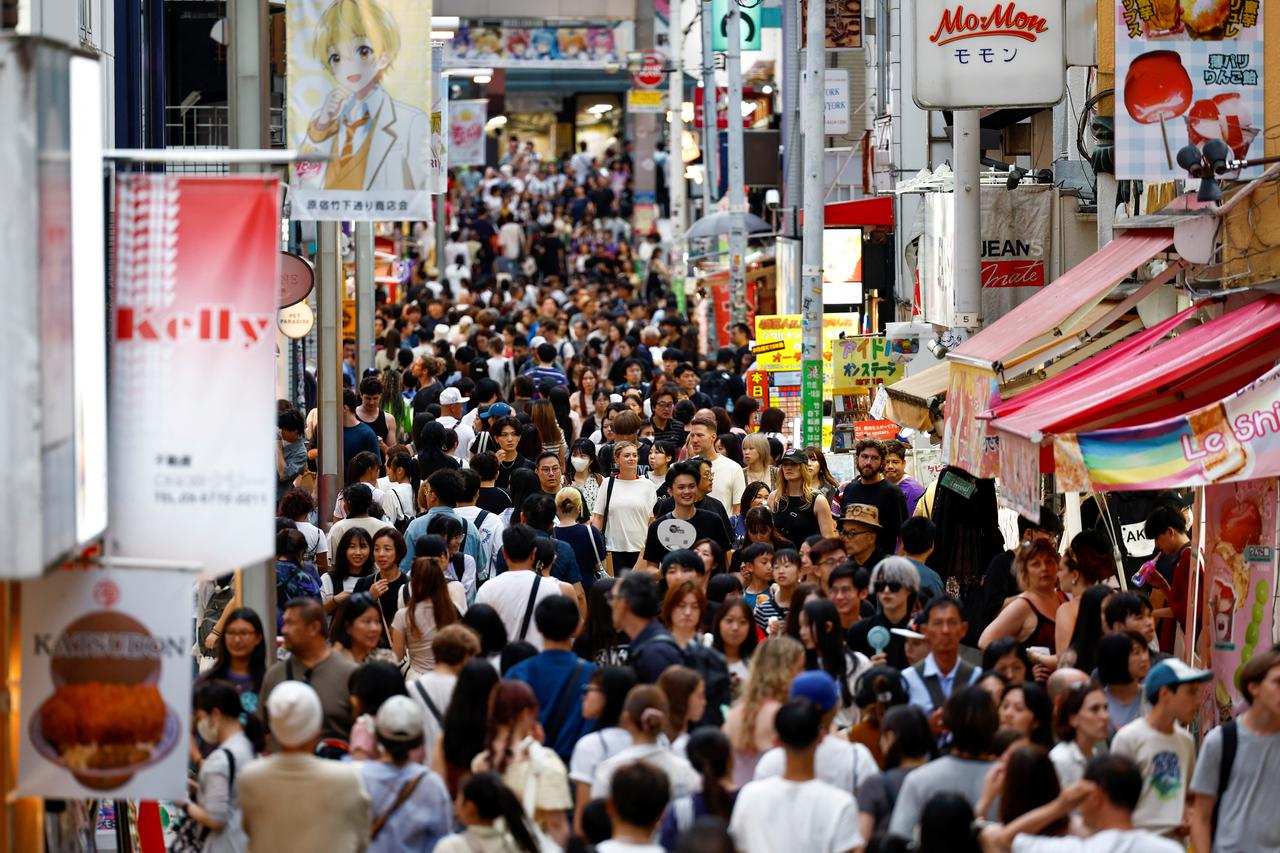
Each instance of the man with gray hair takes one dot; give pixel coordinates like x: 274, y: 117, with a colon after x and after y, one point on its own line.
x: 896, y: 585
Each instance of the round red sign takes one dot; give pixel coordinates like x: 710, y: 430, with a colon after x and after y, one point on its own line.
x: 651, y: 73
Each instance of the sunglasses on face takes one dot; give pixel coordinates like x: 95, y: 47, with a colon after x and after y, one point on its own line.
x: 888, y: 586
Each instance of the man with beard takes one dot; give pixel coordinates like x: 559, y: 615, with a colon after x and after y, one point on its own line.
x: 870, y: 487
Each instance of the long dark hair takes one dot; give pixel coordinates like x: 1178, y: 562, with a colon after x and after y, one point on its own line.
x: 1088, y: 629
x: 830, y: 652
x: 711, y: 755
x: 428, y: 583
x: 222, y: 697
x: 599, y: 634
x: 802, y: 593
x: 588, y: 449
x: 493, y: 799
x: 732, y: 445
x: 749, y: 644
x: 615, y: 682
x: 488, y: 625
x: 523, y: 483
x: 559, y: 397
x: 1038, y: 703
x: 349, y: 611
x: 464, y: 719
x: 1030, y: 782
x: 221, y: 670
x: 341, y: 568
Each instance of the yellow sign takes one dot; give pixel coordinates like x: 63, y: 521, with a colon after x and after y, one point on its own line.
x: 349, y: 319
x: 646, y: 101
x: 786, y: 328
x: 862, y: 362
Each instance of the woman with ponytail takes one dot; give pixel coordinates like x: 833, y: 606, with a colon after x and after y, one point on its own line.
x: 433, y: 602
x: 494, y: 819
x: 644, y: 716
x: 711, y: 755
x: 513, y: 749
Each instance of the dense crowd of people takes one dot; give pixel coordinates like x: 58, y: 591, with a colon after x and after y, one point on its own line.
x: 580, y: 592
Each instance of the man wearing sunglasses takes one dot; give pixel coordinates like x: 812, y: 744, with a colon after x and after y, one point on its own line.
x: 860, y: 529
x: 896, y: 585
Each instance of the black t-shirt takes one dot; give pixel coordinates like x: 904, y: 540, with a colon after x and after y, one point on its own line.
x: 666, y: 504
x: 389, y: 601
x: 706, y: 525
x: 494, y: 499
x: 505, y: 470
x: 888, y: 499
x: 797, y: 519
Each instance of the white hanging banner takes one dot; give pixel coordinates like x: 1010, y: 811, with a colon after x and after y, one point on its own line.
x: 193, y: 347
x: 106, y: 684
x: 438, y: 164
x: 466, y: 132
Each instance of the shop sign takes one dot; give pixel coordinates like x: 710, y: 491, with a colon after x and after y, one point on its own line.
x: 862, y: 361
x: 1185, y: 74
x: 373, y: 125
x: 880, y: 430
x: 965, y: 440
x: 835, y: 104
x: 758, y: 387
x: 296, y: 321
x: 844, y: 24
x: 987, y: 55
x: 194, y: 313
x: 787, y: 328
x: 1240, y: 562
x: 486, y: 45
x: 647, y: 101
x: 652, y: 70
x: 106, y: 684
x: 466, y: 132
x: 297, y: 277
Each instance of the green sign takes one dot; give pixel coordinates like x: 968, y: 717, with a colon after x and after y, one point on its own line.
x: 749, y: 28
x: 811, y: 403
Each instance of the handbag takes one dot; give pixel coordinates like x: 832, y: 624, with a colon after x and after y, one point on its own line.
x: 405, y: 666
x: 601, y: 572
x: 190, y: 836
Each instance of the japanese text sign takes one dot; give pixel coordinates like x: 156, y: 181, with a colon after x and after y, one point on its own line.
x: 787, y: 327
x: 861, y: 362
x: 989, y: 54
x: 1186, y: 74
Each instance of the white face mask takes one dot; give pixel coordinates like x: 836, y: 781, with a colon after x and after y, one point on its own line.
x: 580, y: 463
x: 207, y: 729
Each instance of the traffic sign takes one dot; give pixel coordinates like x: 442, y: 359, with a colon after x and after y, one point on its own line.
x: 748, y: 31
x: 652, y: 70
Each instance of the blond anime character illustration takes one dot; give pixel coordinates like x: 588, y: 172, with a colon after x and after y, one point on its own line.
x: 374, y: 142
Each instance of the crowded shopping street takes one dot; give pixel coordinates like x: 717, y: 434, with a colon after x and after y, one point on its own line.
x: 451, y: 434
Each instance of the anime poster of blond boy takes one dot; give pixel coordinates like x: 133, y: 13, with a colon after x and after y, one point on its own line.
x: 359, y: 93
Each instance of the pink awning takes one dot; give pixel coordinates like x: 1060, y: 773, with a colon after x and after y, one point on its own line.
x: 1167, y: 370
x: 1073, y: 292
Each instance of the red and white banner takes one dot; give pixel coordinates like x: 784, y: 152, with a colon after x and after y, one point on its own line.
x: 193, y: 345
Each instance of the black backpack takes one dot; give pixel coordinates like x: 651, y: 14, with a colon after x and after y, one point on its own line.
x: 710, y: 665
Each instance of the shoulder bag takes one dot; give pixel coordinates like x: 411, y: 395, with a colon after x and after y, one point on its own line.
x: 528, y: 608
x: 607, y: 564
x: 405, y: 793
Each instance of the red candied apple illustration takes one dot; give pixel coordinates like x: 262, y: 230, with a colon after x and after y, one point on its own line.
x: 1224, y: 116
x: 1240, y: 524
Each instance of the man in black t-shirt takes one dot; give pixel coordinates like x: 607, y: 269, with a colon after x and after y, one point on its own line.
x: 507, y: 432
x: 692, y: 522
x: 870, y: 487
x: 704, y: 502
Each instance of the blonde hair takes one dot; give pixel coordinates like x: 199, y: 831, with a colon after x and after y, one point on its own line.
x: 760, y: 445
x: 347, y: 19
x: 773, y: 665
x: 808, y: 487
x: 569, y: 502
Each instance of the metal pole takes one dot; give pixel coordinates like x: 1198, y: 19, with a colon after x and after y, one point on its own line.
x: 247, y: 79
x: 966, y: 316
x: 710, y: 143
x: 364, y: 297
x: 441, y: 225
x: 792, y: 154
x: 737, y: 191
x: 811, y: 248
x: 675, y: 162
x: 329, y: 368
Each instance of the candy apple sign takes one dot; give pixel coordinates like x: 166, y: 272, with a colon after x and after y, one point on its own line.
x: 986, y: 55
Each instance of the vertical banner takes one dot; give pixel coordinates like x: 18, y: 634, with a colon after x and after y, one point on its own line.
x: 193, y: 340
x: 965, y: 439
x: 1240, y: 553
x: 106, y: 684
x: 358, y: 93
x: 1185, y: 74
x: 466, y: 132
x: 438, y: 165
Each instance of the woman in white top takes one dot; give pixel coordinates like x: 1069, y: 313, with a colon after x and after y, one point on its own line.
x: 645, y: 716
x: 217, y: 805
x: 494, y: 819
x: 602, y: 701
x: 624, y: 507
x: 433, y: 603
x: 298, y: 505
x: 1082, y: 722
x: 397, y: 490
x: 352, y: 561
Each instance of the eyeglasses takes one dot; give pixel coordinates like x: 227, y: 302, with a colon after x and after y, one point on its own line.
x: 888, y: 586
x: 849, y: 534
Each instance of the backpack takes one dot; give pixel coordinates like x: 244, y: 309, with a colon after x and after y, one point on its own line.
x: 710, y: 665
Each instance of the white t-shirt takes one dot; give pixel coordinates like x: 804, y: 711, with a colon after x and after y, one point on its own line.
x: 1167, y: 762
x: 466, y: 437
x: 611, y: 846
x: 837, y: 762
x: 684, y: 779
x: 593, y: 748
x: 397, y: 501
x: 508, y: 593
x: 439, y: 686
x: 490, y: 533
x: 728, y: 483
x: 630, y: 508
x: 339, y: 529
x: 1069, y: 761
x: 326, y: 585
x: 779, y: 816
x: 1107, y: 841
x: 317, y: 542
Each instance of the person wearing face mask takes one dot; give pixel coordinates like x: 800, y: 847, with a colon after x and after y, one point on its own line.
x: 216, y: 807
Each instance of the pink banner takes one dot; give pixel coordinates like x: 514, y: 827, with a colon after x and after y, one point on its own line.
x: 1240, y: 555
x: 193, y: 347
